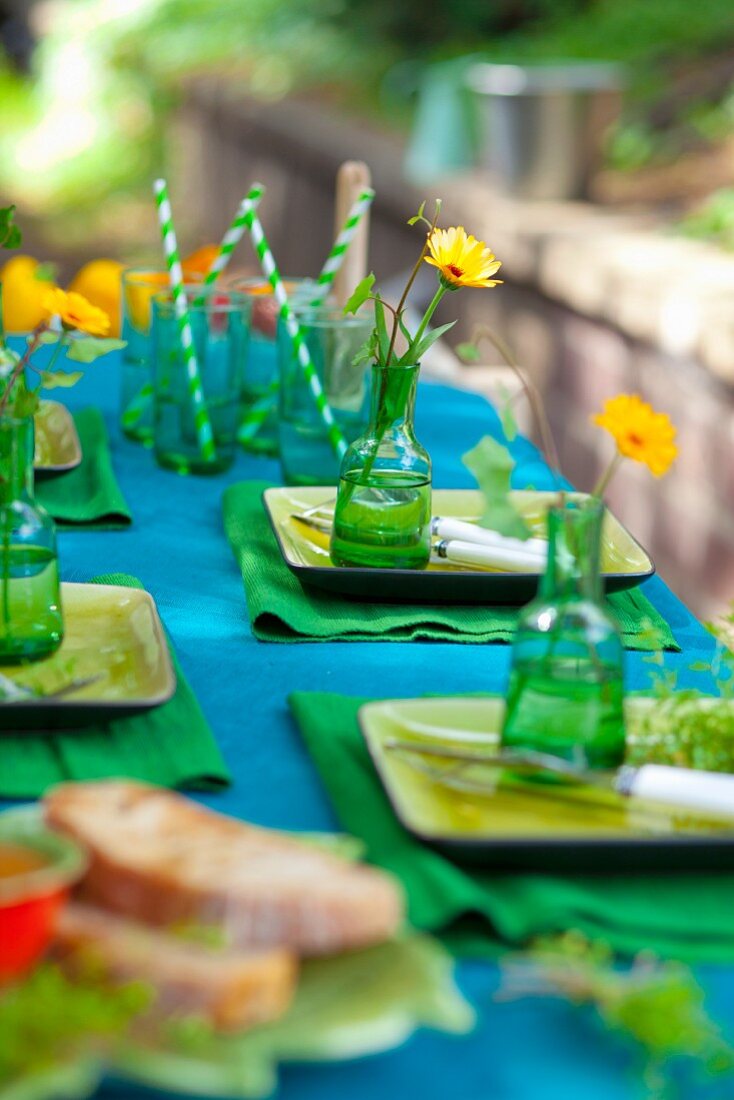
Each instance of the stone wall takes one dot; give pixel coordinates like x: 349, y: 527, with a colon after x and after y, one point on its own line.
x: 595, y: 302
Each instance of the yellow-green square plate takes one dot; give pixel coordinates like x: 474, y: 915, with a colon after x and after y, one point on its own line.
x: 57, y: 442
x: 112, y: 633
x: 535, y: 828
x: 305, y: 551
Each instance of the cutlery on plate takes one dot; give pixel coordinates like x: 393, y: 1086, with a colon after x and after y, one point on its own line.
x: 486, y: 549
x: 72, y: 687
x: 10, y: 692
x: 312, y: 521
x: 682, y: 788
x: 488, y: 557
x: 445, y: 527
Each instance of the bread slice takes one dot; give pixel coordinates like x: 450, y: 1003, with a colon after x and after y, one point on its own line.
x: 161, y: 859
x: 233, y: 991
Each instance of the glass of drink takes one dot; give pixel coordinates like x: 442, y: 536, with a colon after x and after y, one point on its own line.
x: 333, y: 341
x: 259, y: 431
x: 139, y: 285
x: 220, y: 323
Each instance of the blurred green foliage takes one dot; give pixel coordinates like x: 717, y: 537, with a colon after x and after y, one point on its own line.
x: 714, y: 220
x: 93, y: 119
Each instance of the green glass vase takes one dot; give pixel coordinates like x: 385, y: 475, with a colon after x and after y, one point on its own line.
x: 31, y: 620
x: 383, y: 507
x: 566, y: 683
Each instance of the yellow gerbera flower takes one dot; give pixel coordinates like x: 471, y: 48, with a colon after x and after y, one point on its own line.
x: 639, y: 432
x: 76, y: 313
x: 462, y: 260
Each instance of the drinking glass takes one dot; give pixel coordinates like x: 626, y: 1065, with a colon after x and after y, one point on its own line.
x: 139, y: 285
x: 333, y: 341
x: 260, y: 433
x: 220, y: 324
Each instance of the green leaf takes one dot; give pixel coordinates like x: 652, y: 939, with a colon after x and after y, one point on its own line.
x: 59, y: 379
x: 346, y: 1006
x: 368, y: 350
x: 414, y: 354
x: 14, y: 238
x: 469, y: 352
x: 88, y: 348
x: 492, y: 466
x: 404, y: 329
x: 507, y: 416
x: 360, y: 294
x: 8, y: 360
x: 419, y: 216
x: 47, y: 337
x: 10, y: 235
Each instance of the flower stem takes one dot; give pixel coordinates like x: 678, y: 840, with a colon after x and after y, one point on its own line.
x: 63, y: 342
x: 603, y: 482
x: 20, y: 366
x: 409, y: 285
x: 548, y: 443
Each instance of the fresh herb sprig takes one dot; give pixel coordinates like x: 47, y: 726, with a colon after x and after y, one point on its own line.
x: 658, y: 1004
x: 50, y: 1020
x: 686, y: 727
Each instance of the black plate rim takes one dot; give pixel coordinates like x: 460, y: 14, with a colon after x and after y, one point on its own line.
x: 34, y: 713
x: 466, y: 577
x: 523, y: 846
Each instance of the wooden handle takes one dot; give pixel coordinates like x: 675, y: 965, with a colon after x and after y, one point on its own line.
x: 351, y: 179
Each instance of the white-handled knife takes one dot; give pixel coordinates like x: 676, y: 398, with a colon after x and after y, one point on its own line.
x: 683, y: 788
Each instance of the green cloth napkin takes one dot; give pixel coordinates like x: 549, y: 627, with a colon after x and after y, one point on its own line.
x: 170, y: 745
x: 89, y: 495
x: 281, y: 610
x: 679, y: 916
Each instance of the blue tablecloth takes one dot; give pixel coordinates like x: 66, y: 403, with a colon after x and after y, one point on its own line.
x: 177, y: 547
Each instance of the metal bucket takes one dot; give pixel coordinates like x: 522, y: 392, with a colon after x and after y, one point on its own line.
x: 542, y: 125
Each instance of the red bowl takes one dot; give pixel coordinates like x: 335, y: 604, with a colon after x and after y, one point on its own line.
x: 31, y: 898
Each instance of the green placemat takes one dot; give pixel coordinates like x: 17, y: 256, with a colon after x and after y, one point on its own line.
x: 88, y: 496
x: 281, y: 610
x: 684, y: 917
x: 171, y: 745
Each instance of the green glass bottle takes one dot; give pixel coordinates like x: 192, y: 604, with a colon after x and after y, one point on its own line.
x: 383, y: 507
x: 566, y: 683
x: 31, y: 621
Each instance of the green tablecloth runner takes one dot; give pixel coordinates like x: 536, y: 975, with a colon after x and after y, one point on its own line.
x: 171, y: 745
x: 281, y: 610
x: 685, y: 917
x: 89, y: 495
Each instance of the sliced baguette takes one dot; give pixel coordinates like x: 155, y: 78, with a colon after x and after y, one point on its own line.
x: 233, y: 991
x: 161, y: 859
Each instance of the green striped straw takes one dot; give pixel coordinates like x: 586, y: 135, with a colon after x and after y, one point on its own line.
x: 340, y: 246
x: 170, y: 247
x: 232, y: 237
x: 140, y: 403
x: 262, y: 409
x: 270, y: 270
x: 138, y: 406
x: 259, y: 413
